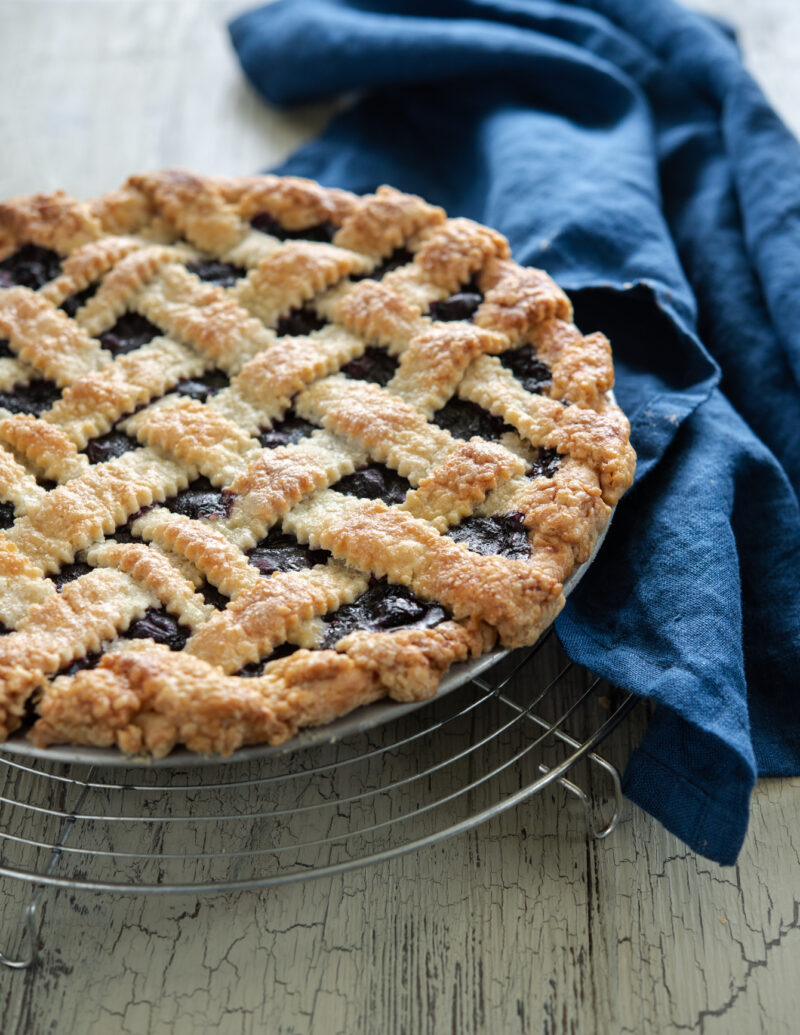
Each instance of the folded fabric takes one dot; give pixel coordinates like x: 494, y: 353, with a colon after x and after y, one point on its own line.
x: 622, y: 147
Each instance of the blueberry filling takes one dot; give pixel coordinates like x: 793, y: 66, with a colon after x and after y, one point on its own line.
x: 546, y: 464
x: 375, y: 482
x: 34, y: 398
x: 6, y: 515
x: 460, y: 306
x: 130, y: 332
x: 280, y: 552
x: 300, y: 321
x: 533, y: 375
x: 256, y: 668
x: 212, y: 596
x: 90, y: 661
x: 286, y: 432
x: 110, y: 446
x: 267, y: 224
x: 69, y: 572
x: 123, y: 534
x: 381, y: 608
x: 374, y: 365
x: 72, y: 303
x: 202, y: 500
x: 5, y: 349
x: 464, y: 419
x: 399, y: 257
x: 30, y: 267
x: 201, y: 388
x: 500, y: 533
x: 224, y: 274
x: 157, y: 624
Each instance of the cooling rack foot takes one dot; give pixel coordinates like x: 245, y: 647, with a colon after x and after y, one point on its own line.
x: 28, y: 943
x: 596, y: 830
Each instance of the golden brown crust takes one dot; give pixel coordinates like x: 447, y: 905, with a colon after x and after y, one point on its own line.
x: 379, y: 223
x: 410, y: 662
x: 43, y: 336
x: 93, y: 403
x: 148, y: 701
x: 54, y: 221
x: 132, y: 247
x: 435, y: 361
x: 292, y: 201
x: 262, y: 616
x: 519, y: 298
x: 65, y: 626
x: 456, y: 250
x: 453, y: 489
x: 378, y: 314
x: 44, y: 446
x: 293, y: 275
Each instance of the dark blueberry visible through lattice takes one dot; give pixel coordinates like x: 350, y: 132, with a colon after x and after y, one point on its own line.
x: 256, y: 668
x: 500, y: 533
x: 223, y: 274
x: 267, y: 224
x: 460, y: 306
x: 123, y: 534
x: 375, y: 482
x: 374, y: 365
x: 130, y: 332
x: 109, y: 447
x: 30, y: 267
x: 201, y: 388
x: 212, y: 596
x: 202, y: 500
x: 5, y: 349
x: 72, y: 303
x: 533, y: 375
x: 4, y: 630
x: 399, y: 257
x: 278, y: 551
x: 286, y: 432
x: 69, y: 572
x: 34, y: 398
x: 381, y: 608
x: 90, y: 661
x: 159, y: 625
x: 300, y: 321
x: 464, y: 419
x: 546, y: 464
x: 6, y: 515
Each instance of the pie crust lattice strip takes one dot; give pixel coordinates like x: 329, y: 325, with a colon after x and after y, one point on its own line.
x: 270, y: 451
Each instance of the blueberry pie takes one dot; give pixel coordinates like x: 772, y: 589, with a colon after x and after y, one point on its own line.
x: 270, y: 451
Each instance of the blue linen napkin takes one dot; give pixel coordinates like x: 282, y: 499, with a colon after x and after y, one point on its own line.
x: 623, y: 147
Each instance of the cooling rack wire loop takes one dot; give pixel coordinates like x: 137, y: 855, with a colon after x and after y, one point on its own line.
x: 433, y: 773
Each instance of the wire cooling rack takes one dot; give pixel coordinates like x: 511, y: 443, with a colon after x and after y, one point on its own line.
x: 433, y: 773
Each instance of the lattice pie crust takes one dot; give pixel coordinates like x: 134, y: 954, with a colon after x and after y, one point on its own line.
x: 379, y: 276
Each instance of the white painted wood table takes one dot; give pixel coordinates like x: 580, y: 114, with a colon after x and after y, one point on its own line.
x: 522, y: 925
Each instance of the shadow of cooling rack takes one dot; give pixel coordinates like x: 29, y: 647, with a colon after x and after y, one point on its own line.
x: 436, y: 772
